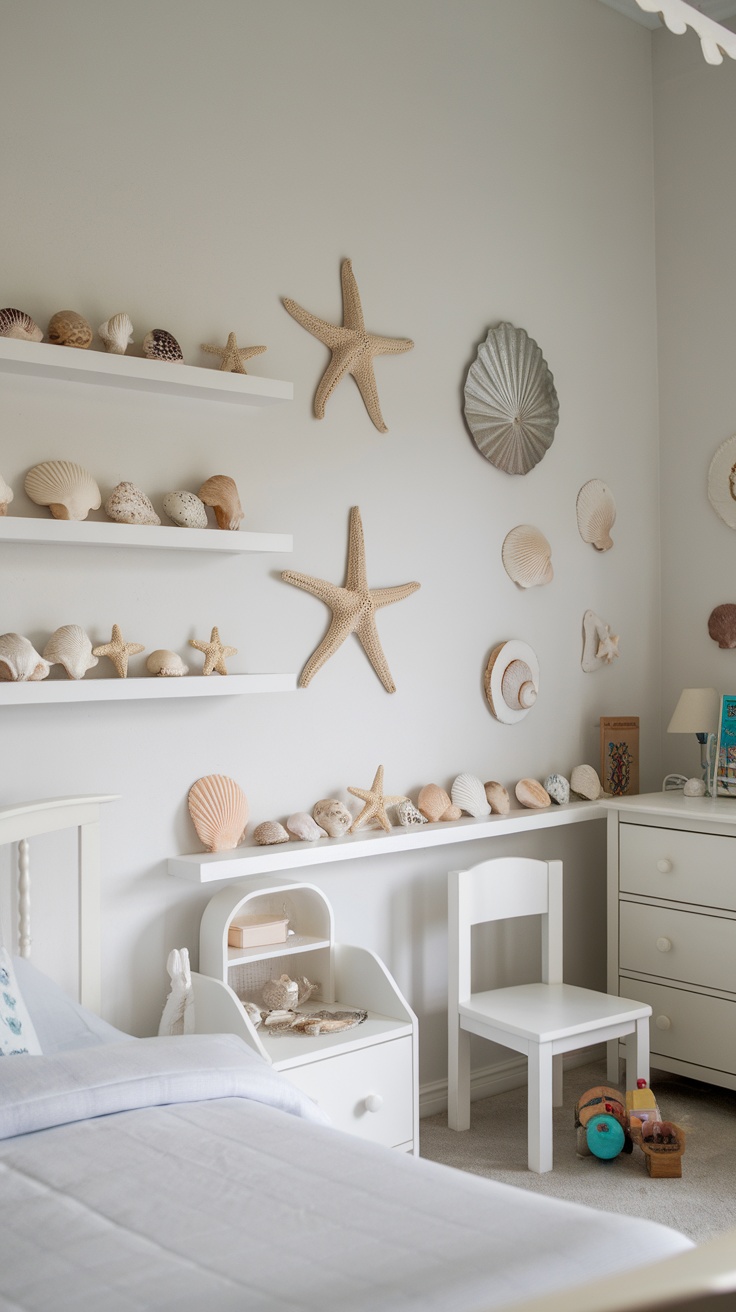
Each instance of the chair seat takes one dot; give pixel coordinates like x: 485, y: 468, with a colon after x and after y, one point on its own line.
x: 545, y: 1012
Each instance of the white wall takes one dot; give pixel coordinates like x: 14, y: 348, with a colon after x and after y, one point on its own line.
x: 195, y: 163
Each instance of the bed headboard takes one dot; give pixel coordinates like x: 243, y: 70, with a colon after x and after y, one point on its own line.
x: 25, y: 820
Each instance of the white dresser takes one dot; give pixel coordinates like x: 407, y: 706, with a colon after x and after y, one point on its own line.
x: 672, y: 927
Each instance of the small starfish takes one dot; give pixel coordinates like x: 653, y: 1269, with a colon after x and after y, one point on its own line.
x: 118, y: 651
x: 233, y: 355
x: 353, y: 608
x: 376, y: 802
x: 215, y: 654
x: 608, y: 648
x: 352, y: 348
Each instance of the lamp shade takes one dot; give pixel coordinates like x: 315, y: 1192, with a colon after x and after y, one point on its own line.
x: 695, y: 712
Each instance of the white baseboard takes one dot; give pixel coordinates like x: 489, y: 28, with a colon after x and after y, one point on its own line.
x: 498, y: 1078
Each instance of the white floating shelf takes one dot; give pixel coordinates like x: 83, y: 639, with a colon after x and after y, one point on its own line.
x: 90, y: 533
x: 250, y: 859
x: 43, y: 360
x: 46, y: 691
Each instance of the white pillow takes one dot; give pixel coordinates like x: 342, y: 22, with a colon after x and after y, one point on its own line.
x: 62, y: 1024
x: 17, y: 1035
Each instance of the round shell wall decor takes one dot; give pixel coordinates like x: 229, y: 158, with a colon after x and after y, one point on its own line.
x: 511, y: 680
x: 511, y: 405
x: 596, y: 513
x: 722, y: 482
x: 527, y: 557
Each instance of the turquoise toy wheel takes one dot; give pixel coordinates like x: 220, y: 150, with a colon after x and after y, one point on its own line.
x: 605, y: 1136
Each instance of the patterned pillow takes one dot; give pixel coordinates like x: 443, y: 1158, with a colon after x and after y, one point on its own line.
x: 17, y: 1035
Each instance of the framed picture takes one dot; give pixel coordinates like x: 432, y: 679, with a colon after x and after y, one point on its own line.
x: 725, y: 763
x: 620, y: 754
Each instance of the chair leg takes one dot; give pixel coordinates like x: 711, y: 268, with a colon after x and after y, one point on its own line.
x: 557, y: 1081
x: 458, y: 1078
x: 540, y: 1108
x: 637, y: 1054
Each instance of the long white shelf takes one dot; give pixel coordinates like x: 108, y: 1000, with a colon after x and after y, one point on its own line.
x: 46, y: 691
x: 91, y: 533
x: 250, y: 859
x: 43, y: 360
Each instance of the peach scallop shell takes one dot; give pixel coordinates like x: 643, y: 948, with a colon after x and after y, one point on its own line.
x: 596, y: 512
x: 219, y: 810
x: 468, y: 792
x: 434, y: 802
x: 19, y: 660
x: 68, y: 490
x: 71, y: 648
x: 67, y: 328
x: 128, y: 505
x: 220, y: 492
x: 15, y: 323
x: 6, y: 496
x: 527, y: 556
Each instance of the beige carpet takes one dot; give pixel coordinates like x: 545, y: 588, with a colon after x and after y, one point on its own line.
x: 701, y: 1204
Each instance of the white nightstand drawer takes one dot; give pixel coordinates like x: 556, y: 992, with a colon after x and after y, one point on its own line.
x: 678, y: 945
x: 678, y: 865
x: 368, y: 1092
x: 687, y: 1026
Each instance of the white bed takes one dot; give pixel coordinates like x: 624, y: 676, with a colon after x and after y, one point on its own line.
x: 185, y: 1173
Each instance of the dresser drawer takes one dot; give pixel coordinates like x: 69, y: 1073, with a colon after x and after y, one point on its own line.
x: 382, y: 1074
x: 687, y: 1026
x: 678, y: 945
x: 678, y: 865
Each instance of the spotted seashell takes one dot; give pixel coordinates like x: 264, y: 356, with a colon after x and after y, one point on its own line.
x: 469, y: 794
x: 67, y: 328
x: 219, y: 811
x: 166, y: 664
x: 531, y: 793
x: 281, y: 994
x: 333, y: 816
x: 128, y: 505
x: 116, y: 333
x: 220, y: 492
x: 301, y: 825
x: 270, y: 831
x: 160, y: 345
x: 185, y: 509
x: 558, y: 788
x: 19, y: 660
x: 433, y: 802
x: 408, y: 815
x: 71, y: 648
x: 6, y: 496
x: 585, y: 782
x: 68, y: 490
x: 527, y: 556
x: 596, y: 512
x: 498, y: 797
x: 14, y: 323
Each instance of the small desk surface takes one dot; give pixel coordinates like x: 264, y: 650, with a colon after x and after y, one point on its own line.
x: 714, y: 810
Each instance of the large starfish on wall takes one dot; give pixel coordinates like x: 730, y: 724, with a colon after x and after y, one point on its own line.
x: 352, y: 348
x: 353, y: 608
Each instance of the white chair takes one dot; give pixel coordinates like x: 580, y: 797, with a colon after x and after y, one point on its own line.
x: 542, y: 1020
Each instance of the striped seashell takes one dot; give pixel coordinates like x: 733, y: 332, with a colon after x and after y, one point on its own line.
x: 498, y: 796
x: 531, y: 793
x: 469, y: 794
x: 71, y: 648
x: 6, y: 496
x: 128, y: 505
x: 220, y: 492
x: 185, y: 509
x: 160, y: 345
x: 527, y: 556
x: 219, y: 810
x: 596, y: 513
x: 14, y: 323
x: 19, y: 660
x: 68, y: 490
x: 511, y: 405
x: 67, y: 328
x: 270, y: 831
x: 585, y: 782
x: 116, y: 334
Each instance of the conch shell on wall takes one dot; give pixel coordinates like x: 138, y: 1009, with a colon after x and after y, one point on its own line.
x: 19, y: 660
x: 69, y: 491
x: 219, y: 810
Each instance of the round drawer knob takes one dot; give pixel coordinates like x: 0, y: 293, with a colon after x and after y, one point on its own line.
x: 664, y: 865
x: 664, y: 944
x: 373, y: 1102
x: 663, y: 1023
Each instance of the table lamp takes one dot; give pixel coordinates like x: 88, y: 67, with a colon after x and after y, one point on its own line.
x: 696, y: 712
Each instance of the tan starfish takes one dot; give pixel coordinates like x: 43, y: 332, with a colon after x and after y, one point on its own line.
x: 352, y: 348
x: 215, y: 654
x: 118, y: 651
x: 233, y: 355
x: 353, y: 608
x: 376, y: 802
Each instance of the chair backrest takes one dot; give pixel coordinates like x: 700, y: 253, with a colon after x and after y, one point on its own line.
x: 501, y: 889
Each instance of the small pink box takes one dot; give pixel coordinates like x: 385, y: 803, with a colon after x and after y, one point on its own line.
x: 256, y: 931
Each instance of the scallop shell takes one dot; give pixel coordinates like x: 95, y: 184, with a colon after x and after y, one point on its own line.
x: 498, y: 797
x: 333, y: 816
x: 558, y: 788
x: 14, y: 323
x: 220, y: 492
x: 511, y: 680
x: 585, y: 782
x: 71, y: 648
x: 67, y: 328
x: 302, y: 826
x: 68, y: 490
x: 6, y: 496
x: 160, y: 345
x: 527, y: 556
x: 19, y: 660
x: 166, y: 664
x: 185, y: 509
x: 722, y: 625
x: 469, y: 794
x: 433, y: 802
x: 531, y: 793
x: 219, y: 811
x: 270, y: 831
x: 596, y: 512
x: 408, y: 815
x: 128, y: 505
x: 511, y: 405
x: 116, y: 333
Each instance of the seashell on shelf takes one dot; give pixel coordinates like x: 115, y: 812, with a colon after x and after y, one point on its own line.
x: 531, y: 793
x: 69, y: 491
x: 166, y: 664
x: 185, y: 509
x: 126, y: 504
x: 408, y: 815
x: 585, y: 782
x: 253, y: 1012
x: 453, y: 812
x: 270, y: 831
x: 71, y: 648
x: 301, y: 825
x: 511, y: 405
x: 19, y: 660
x: 281, y: 994
x: 221, y: 494
x: 558, y: 788
x: 17, y: 324
x: 160, y: 345
x: 469, y: 794
x: 219, y: 810
x: 596, y: 513
x: 498, y: 797
x: 332, y: 816
x: 694, y: 788
x: 67, y: 328
x: 116, y: 333
x: 722, y: 625
x: 527, y: 556
x: 6, y: 496
x: 433, y: 802
x: 511, y: 680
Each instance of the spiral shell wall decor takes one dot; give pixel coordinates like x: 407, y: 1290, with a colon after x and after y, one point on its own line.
x: 596, y: 513
x: 527, y: 556
x: 511, y: 405
x: 511, y: 680
x: 219, y: 810
x: 17, y: 324
x: 69, y: 491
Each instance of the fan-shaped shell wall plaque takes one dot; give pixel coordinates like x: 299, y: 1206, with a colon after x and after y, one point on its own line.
x: 511, y: 405
x: 511, y: 680
x: 527, y: 556
x: 722, y: 482
x: 596, y: 513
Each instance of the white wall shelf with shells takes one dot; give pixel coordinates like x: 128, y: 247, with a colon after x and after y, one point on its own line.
x: 44, y: 692
x: 86, y: 532
x: 44, y: 360
x: 251, y: 859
